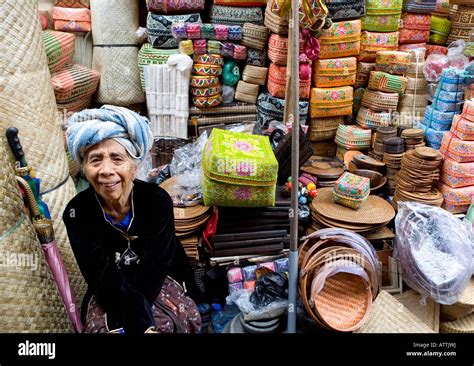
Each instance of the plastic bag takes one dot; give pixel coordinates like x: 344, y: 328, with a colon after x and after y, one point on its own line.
x: 435, y: 63
x: 186, y: 166
x: 269, y: 287
x: 434, y: 251
x: 252, y: 312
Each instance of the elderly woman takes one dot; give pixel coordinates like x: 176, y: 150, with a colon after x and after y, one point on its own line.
x: 122, y: 231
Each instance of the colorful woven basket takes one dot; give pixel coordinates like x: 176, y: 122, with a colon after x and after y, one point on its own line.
x: 393, y: 62
x: 420, y: 6
x: 174, y: 6
x: 72, y: 3
x: 351, y: 190
x: 59, y: 47
x: 221, y: 14
x: 159, y: 28
x: 363, y: 73
x: 379, y: 101
x: 414, y: 28
x: 387, y: 83
x: 456, y: 149
x: 371, y: 43
x: 456, y: 200
x: 242, y: 3
x: 342, y: 39
x: 347, y: 9
x: 271, y: 109
x: 457, y: 175
x: 353, y: 137
x: 278, y: 49
x: 240, y: 170
x: 74, y: 82
x: 152, y: 56
x: 277, y: 82
x: 382, y: 15
x: 331, y: 102
x: 335, y: 72
x: 372, y: 120
x: 72, y: 19
x: 440, y: 29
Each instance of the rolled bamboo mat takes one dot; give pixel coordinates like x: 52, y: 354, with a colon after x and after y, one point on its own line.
x: 116, y: 51
x: 28, y: 103
x: 29, y: 299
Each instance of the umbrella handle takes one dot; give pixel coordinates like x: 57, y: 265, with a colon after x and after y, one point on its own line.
x: 30, y: 197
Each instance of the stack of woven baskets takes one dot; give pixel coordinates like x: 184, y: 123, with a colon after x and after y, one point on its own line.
x: 457, y: 172
x: 394, y: 148
x: 381, y: 135
x: 462, y: 18
x: 417, y: 177
x: 339, y: 278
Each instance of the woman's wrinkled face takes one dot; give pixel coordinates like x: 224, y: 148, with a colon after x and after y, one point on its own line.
x: 110, y: 170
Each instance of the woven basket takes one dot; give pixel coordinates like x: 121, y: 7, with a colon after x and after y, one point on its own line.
x: 120, y: 76
x: 276, y: 24
x: 27, y: 81
x: 152, y: 56
x: 324, y: 128
x: 255, y: 36
x: 379, y: 101
x: 255, y: 74
x: 30, y: 300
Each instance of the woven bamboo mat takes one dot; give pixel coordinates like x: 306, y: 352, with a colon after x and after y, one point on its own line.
x: 28, y: 103
x: 29, y: 299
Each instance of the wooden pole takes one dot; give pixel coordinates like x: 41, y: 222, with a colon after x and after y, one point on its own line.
x: 292, y: 116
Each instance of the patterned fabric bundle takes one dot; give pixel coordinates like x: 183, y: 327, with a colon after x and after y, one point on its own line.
x: 74, y: 83
x: 353, y: 137
x: 159, y: 28
x: 330, y: 102
x: 440, y: 29
x: 250, y: 181
x: 372, y: 120
x: 341, y: 39
x: 246, y: 92
x: 415, y: 28
x: 226, y: 49
x: 219, y: 32
x: 276, y: 24
x: 167, y: 92
x: 419, y: 6
x: 456, y: 149
x: 346, y: 9
x: 174, y: 6
x: 255, y: 36
x: 59, y: 47
x: 387, y: 83
x: 456, y: 200
x: 392, y: 62
x: 241, y: 2
x: 379, y: 101
x: 382, y: 15
x: 116, y: 52
x: 363, y: 73
x: 277, y: 82
x: 371, y: 43
x: 221, y: 14
x: 278, y: 49
x: 456, y: 174
x: 72, y: 19
x: 324, y: 128
x: 255, y: 74
x: 335, y: 72
x: 72, y: 3
x: 447, y: 101
x: 152, y: 56
x: 271, y: 109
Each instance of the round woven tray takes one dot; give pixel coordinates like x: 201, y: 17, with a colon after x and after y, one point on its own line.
x: 374, y: 210
x: 324, y: 168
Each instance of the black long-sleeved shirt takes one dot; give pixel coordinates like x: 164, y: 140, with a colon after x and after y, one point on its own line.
x: 127, y: 293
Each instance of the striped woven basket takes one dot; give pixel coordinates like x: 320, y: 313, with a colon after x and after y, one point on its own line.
x: 373, y: 120
x: 379, y: 101
x: 387, y: 83
x: 74, y: 82
x: 152, y: 56
x: 59, y: 47
x: 255, y: 36
x: 276, y: 24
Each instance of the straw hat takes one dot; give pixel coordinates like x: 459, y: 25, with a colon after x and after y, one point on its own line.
x: 322, y: 167
x: 390, y: 316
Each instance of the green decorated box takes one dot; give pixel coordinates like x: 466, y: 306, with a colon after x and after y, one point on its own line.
x: 351, y: 190
x: 240, y: 170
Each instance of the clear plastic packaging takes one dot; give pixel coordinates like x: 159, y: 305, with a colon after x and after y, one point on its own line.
x: 186, y: 166
x: 251, y: 312
x: 434, y: 250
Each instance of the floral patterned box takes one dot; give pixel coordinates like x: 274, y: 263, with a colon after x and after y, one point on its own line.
x: 456, y: 174
x: 372, y: 42
x: 382, y: 15
x: 240, y: 170
x: 415, y: 28
x: 330, y: 102
x: 463, y: 128
x: 351, y: 190
x: 335, y: 72
x: 456, y: 200
x: 392, y: 62
x: 342, y: 39
x: 456, y: 149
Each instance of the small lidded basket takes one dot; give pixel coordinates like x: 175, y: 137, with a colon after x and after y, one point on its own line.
x: 351, y: 190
